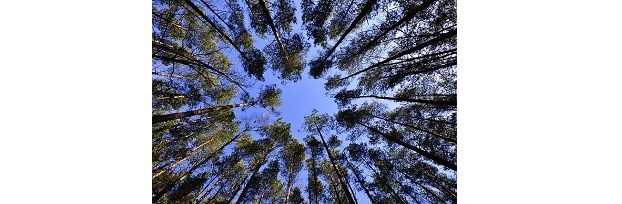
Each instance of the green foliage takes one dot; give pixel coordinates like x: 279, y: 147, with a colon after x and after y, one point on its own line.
x: 296, y: 197
x: 290, y: 64
x: 391, y: 71
x: 270, y: 97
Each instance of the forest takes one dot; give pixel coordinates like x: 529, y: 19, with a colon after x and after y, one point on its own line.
x: 218, y: 73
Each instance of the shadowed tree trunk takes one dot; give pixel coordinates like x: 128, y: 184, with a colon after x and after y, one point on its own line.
x: 361, y: 182
x: 173, y: 116
x: 405, y: 52
x: 428, y: 155
x: 254, y: 175
x: 266, y: 12
x: 416, y: 128
x: 451, y: 102
x: 215, y: 27
x: 332, y: 161
x: 384, y: 183
x: 407, y: 17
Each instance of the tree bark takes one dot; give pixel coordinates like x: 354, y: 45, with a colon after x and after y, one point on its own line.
x: 405, y: 52
x: 364, y: 11
x: 332, y: 161
x: 169, y: 97
x: 192, y: 153
x: 194, y: 64
x: 423, y: 187
x: 432, y: 102
x: 173, y: 116
x: 423, y: 153
x: 384, y: 182
x: 266, y: 13
x: 361, y: 182
x: 421, y: 71
x: 289, y: 183
x: 255, y: 171
x: 215, y: 27
x: 217, y: 16
x: 417, y: 128
x: 409, y: 15
x: 184, y: 175
x: 237, y: 189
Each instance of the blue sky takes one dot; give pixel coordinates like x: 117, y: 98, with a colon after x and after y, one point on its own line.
x: 301, y: 97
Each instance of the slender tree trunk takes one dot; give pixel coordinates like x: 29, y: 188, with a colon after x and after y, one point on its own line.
x: 169, y: 97
x: 204, y: 192
x: 183, y: 176
x: 289, y: 184
x: 195, y: 64
x: 416, y: 128
x: 332, y: 161
x: 405, y: 52
x: 315, y: 178
x: 169, y: 75
x: 255, y: 171
x: 409, y: 15
x: 217, y: 16
x: 423, y: 153
x: 246, y: 187
x: 384, y: 183
x: 215, y: 194
x: 364, y: 12
x: 441, y: 187
x: 423, y: 187
x: 432, y: 120
x: 404, y: 75
x: 451, y: 102
x: 192, y: 153
x: 237, y: 189
x: 266, y: 12
x: 173, y: 116
x: 436, y: 56
x: 361, y: 182
x: 351, y: 190
x: 215, y: 27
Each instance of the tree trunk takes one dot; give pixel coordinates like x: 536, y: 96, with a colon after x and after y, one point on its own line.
x: 361, y: 182
x: 404, y: 75
x: 424, y: 188
x: 384, y: 182
x: 451, y: 102
x: 192, y: 153
x: 169, y: 75
x: 237, y: 189
x: 416, y: 128
x: 173, y: 116
x: 409, y: 15
x: 172, y: 184
x: 266, y: 12
x: 289, y: 184
x: 215, y: 27
x: 217, y: 16
x: 194, y: 64
x: 255, y: 171
x: 315, y: 178
x: 364, y: 11
x: 405, y: 52
x: 423, y: 153
x: 169, y: 97
x: 332, y: 161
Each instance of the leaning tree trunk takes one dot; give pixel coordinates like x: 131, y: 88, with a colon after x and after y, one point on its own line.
x: 425, y: 154
x: 173, y: 116
x: 266, y: 12
x: 339, y: 175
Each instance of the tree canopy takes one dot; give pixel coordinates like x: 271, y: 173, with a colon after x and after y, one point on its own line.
x: 389, y: 66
